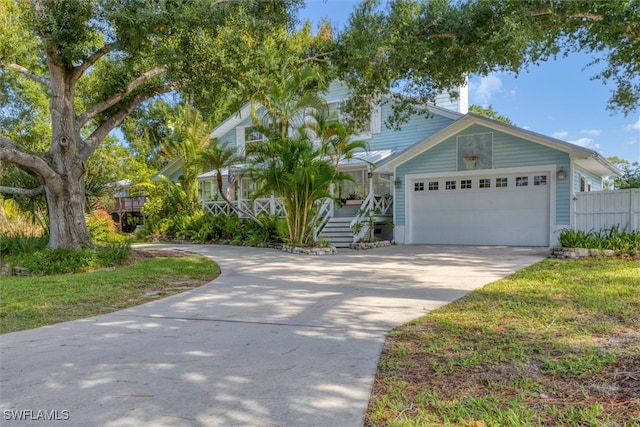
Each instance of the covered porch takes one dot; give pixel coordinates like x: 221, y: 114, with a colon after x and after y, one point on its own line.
x: 362, y: 209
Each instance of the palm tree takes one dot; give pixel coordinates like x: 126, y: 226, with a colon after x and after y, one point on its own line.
x: 283, y: 105
x: 301, y: 175
x: 190, y: 135
x: 218, y: 157
x: 335, y: 139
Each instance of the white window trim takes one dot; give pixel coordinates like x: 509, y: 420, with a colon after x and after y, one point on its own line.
x: 241, y: 140
x: 375, y: 120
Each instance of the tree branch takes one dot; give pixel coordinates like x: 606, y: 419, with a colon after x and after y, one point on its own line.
x: 29, y: 74
x: 587, y: 15
x: 93, y: 141
x: 10, y: 151
x: 28, y: 192
x: 107, y: 103
x: 6, y: 143
x: 104, y: 50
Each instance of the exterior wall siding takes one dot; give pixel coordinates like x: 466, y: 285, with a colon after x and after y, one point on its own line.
x: 596, y: 180
x: 508, y: 152
x: 416, y: 129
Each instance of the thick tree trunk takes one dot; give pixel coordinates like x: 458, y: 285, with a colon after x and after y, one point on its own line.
x: 67, y: 224
x: 66, y: 194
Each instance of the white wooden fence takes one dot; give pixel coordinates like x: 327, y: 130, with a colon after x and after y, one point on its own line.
x: 606, y: 209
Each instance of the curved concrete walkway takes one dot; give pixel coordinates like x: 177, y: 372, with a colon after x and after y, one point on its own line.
x: 276, y: 340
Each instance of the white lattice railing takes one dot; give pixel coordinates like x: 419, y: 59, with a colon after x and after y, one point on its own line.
x: 322, y: 216
x: 382, y: 205
x: 269, y: 205
x: 217, y: 207
x: 373, y: 206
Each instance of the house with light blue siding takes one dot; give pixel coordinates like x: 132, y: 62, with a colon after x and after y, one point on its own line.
x: 448, y: 177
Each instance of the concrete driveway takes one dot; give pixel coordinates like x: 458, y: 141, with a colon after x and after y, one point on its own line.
x: 276, y: 340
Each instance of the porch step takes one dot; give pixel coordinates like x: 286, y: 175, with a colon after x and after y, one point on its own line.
x: 338, y: 232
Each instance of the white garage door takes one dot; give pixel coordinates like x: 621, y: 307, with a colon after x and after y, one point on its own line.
x: 495, y: 209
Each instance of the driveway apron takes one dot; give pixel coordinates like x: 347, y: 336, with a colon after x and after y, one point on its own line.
x: 276, y: 340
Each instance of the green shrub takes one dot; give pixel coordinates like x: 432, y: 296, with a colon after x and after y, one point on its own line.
x: 607, y: 238
x: 39, y: 260
x: 102, y: 228
x: 232, y: 228
x: 12, y: 245
x: 167, y: 209
x: 57, y: 261
x: 113, y: 254
x: 272, y: 230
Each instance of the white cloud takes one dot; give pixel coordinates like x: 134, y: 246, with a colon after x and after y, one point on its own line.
x: 633, y: 126
x: 560, y: 135
x: 592, y: 132
x: 586, y: 143
x: 481, y: 91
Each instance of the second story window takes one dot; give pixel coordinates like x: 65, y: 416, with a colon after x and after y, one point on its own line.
x: 252, y: 135
x: 370, y: 126
x: 247, y: 136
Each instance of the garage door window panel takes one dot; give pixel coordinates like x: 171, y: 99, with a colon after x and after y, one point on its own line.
x: 522, y: 181
x: 540, y: 180
x: 450, y: 185
x: 465, y: 184
x: 485, y: 183
x: 502, y: 182
x: 433, y: 185
x: 418, y: 186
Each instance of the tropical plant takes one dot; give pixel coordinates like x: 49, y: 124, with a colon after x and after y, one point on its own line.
x: 166, y: 207
x: 289, y: 164
x: 612, y: 238
x: 300, y: 174
x: 282, y: 107
x: 189, y: 135
x: 219, y: 156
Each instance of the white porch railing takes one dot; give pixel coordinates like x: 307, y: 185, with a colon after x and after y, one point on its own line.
x: 269, y: 205
x: 374, y: 207
x: 322, y: 216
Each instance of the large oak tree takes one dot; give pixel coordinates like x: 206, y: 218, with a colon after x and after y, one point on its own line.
x: 96, y: 61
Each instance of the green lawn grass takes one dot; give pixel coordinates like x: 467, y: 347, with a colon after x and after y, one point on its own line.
x: 30, y: 302
x: 557, y: 343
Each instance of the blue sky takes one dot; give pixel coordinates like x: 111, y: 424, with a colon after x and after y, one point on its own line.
x: 557, y: 98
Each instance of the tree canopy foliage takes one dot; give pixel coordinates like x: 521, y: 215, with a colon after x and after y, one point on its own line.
x: 630, y: 177
x: 490, y: 112
x: 420, y: 48
x: 72, y: 70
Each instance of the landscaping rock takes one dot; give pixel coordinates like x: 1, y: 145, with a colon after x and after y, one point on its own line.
x: 324, y: 250
x: 370, y: 245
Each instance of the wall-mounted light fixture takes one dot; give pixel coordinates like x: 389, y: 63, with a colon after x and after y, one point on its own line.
x: 560, y: 174
x: 397, y: 183
x: 369, y: 175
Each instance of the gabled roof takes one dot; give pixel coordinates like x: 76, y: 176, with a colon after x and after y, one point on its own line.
x: 586, y: 157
